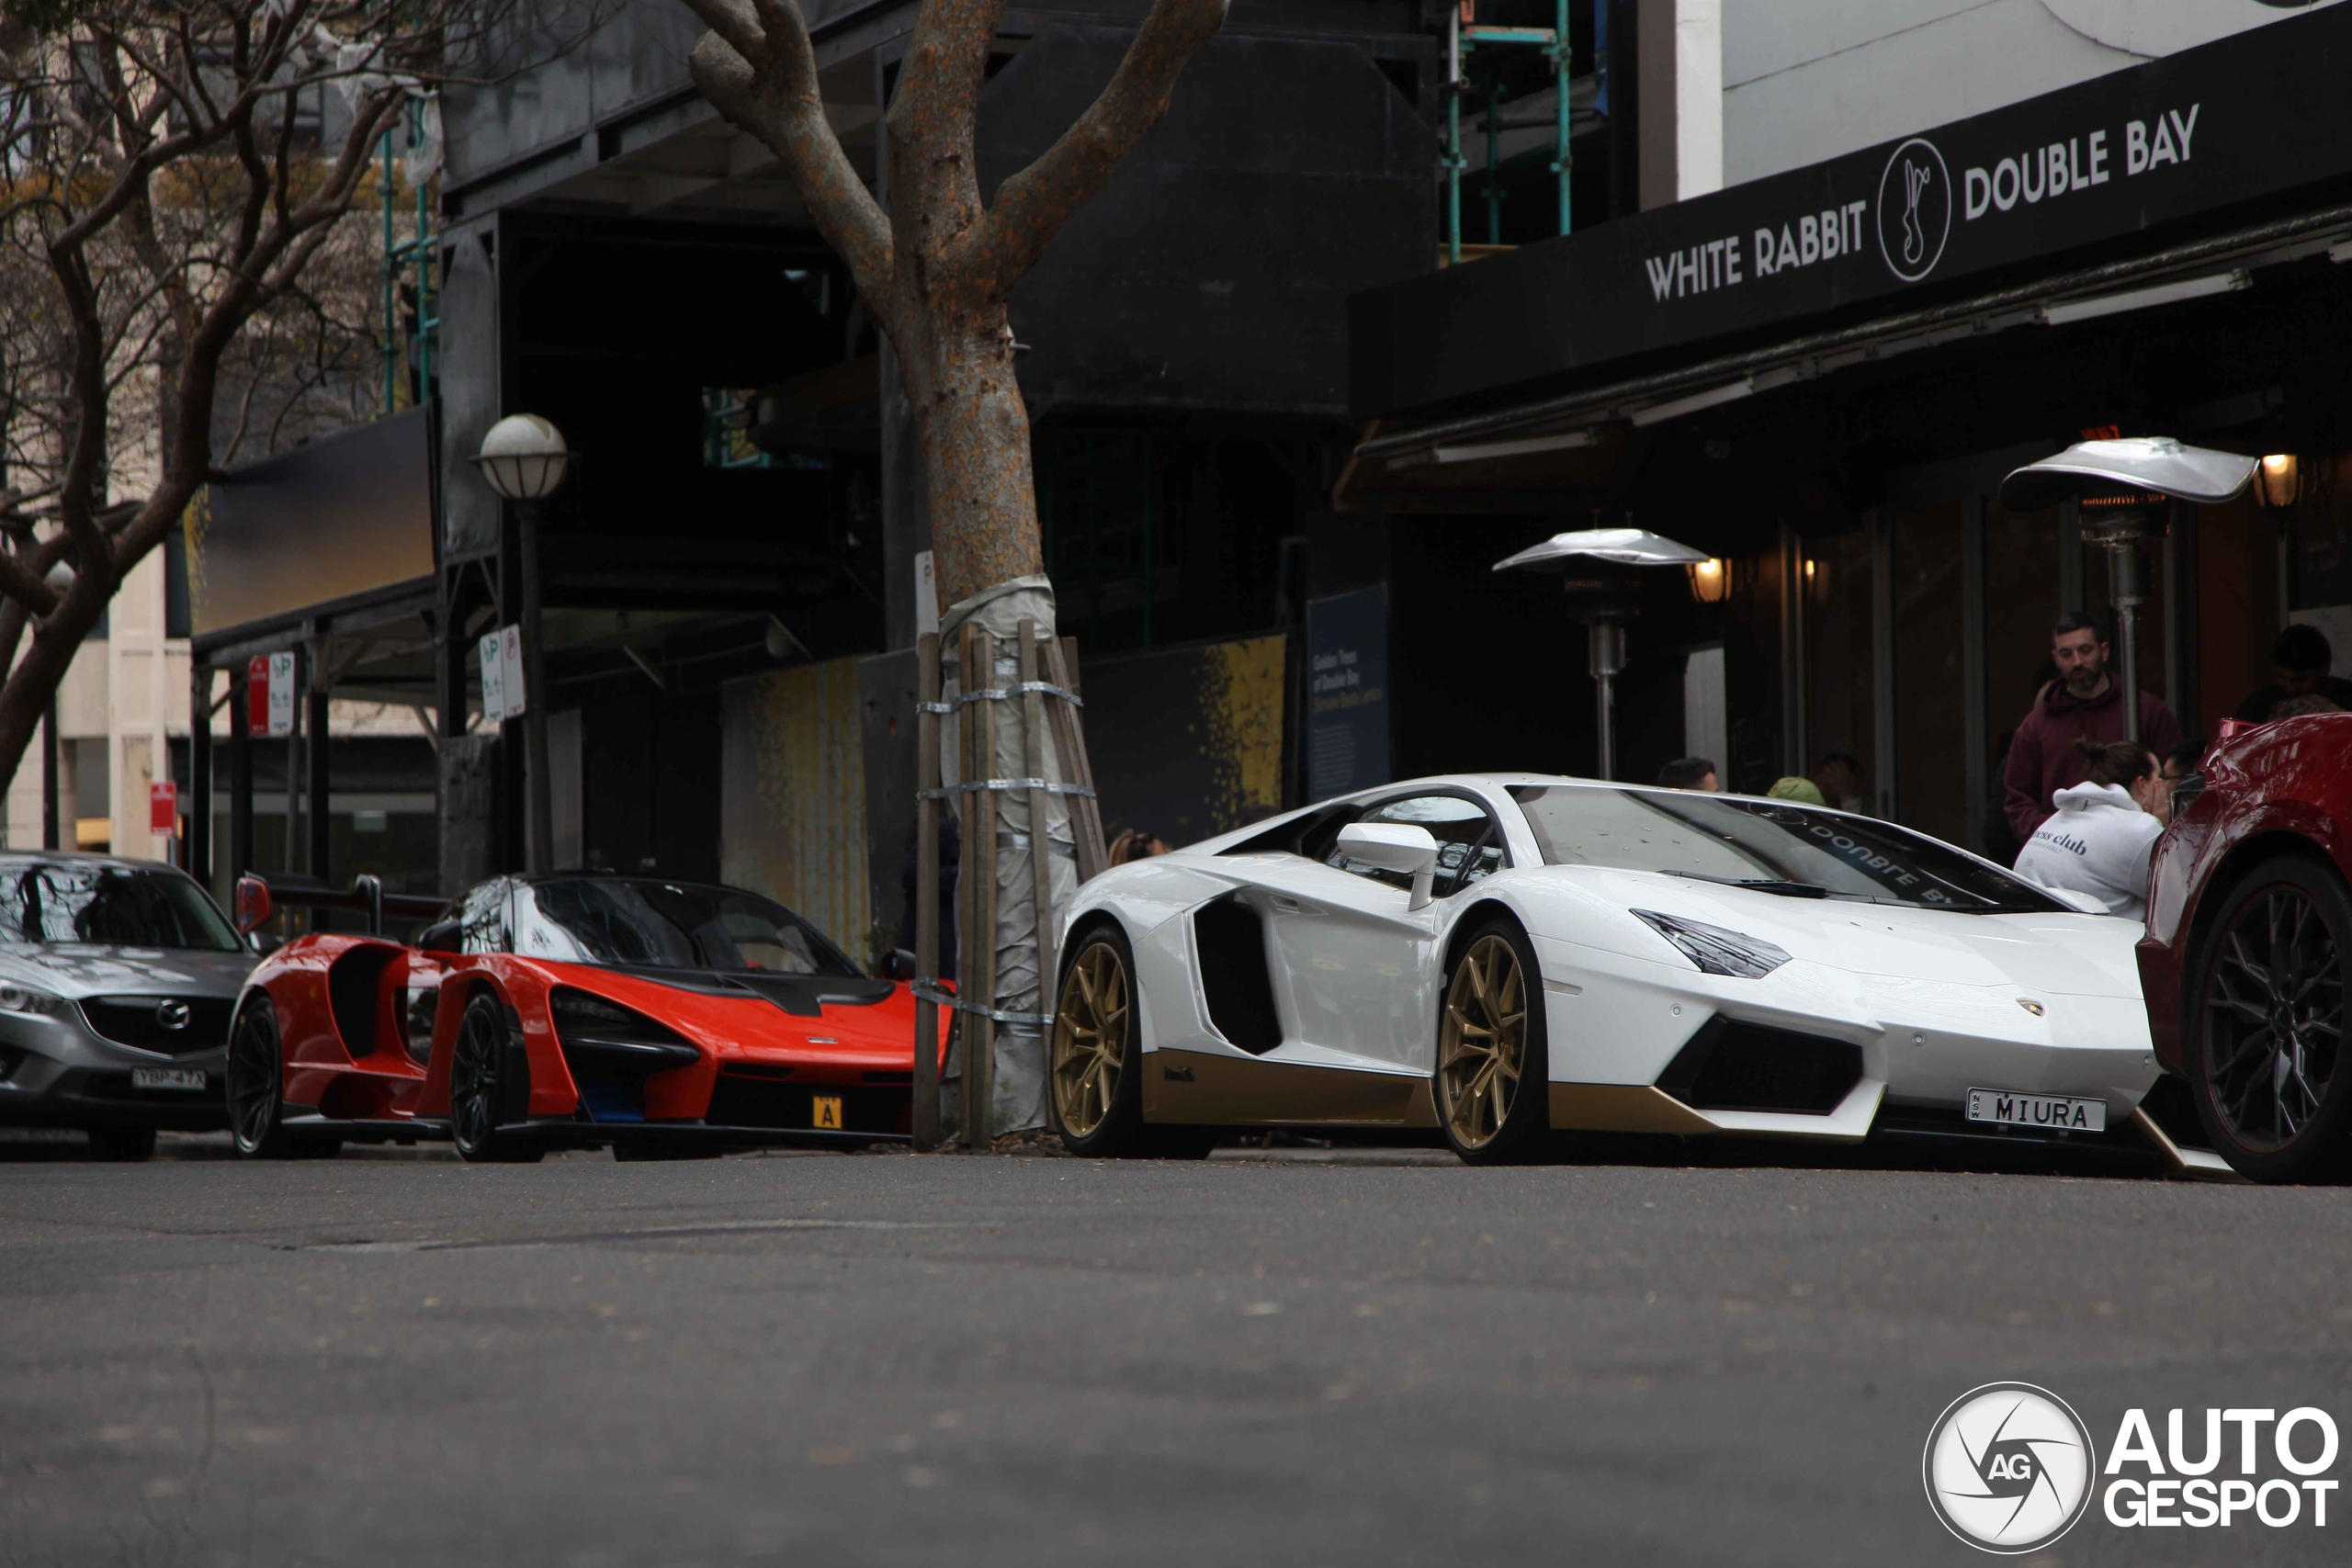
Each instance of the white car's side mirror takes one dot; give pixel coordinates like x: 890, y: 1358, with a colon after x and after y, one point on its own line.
x: 2088, y: 903
x: 1394, y: 846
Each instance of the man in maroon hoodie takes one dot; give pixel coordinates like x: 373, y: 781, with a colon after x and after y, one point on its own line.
x: 2083, y: 700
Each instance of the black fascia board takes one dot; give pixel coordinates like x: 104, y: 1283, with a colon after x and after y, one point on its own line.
x: 2232, y: 131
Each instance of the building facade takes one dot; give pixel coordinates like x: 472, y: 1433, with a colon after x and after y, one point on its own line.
x: 1819, y: 373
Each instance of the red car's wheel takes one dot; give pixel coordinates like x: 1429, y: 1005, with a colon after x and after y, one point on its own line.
x: 2265, y: 1027
x: 481, y: 1090
x: 255, y: 1082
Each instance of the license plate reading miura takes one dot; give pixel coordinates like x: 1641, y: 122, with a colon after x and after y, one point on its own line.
x: 825, y: 1111
x: 166, y: 1077
x: 2049, y: 1112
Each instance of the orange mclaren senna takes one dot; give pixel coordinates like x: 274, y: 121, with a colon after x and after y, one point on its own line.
x: 663, y: 1019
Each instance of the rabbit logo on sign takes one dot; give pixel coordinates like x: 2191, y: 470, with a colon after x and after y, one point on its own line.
x: 1913, y: 210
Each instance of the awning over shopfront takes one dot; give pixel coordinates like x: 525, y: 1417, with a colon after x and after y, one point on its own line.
x: 2170, y: 182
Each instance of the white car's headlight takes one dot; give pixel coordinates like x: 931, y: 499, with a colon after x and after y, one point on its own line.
x: 24, y: 999
x: 1714, y: 950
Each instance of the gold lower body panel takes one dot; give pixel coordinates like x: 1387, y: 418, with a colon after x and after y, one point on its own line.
x: 1196, y: 1087
x: 1622, y: 1108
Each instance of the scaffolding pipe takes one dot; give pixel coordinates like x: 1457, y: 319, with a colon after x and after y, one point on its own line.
x: 1454, y: 133
x: 398, y: 255
x: 1562, y: 55
x: 391, y: 281
x: 1495, y: 161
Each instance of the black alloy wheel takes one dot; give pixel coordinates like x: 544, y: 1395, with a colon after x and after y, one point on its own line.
x: 257, y: 1081
x: 480, y: 1091
x: 2265, y: 1029
x: 121, y: 1144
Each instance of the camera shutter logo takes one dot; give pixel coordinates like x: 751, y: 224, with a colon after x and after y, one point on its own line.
x: 1913, y: 210
x: 171, y: 1013
x: 2009, y: 1467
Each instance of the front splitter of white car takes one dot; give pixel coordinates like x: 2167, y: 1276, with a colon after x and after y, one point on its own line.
x: 1623, y: 1032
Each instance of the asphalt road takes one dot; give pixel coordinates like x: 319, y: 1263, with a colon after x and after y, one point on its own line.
x: 882, y: 1359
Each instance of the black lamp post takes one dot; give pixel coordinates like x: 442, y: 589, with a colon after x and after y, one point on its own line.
x: 524, y: 460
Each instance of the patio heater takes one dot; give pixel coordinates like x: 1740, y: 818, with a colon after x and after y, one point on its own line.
x: 2123, y: 492
x: 524, y: 460
x: 1600, y: 568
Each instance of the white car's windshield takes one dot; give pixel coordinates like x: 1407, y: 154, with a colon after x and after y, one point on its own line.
x: 1774, y: 844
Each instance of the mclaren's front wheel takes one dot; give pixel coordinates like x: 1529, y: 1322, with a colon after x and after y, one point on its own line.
x: 257, y: 1084
x: 1096, y: 1056
x: 2265, y: 1029
x: 1492, y: 1083
x: 483, y: 1087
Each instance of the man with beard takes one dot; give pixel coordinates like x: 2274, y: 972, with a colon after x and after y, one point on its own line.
x: 2085, y: 701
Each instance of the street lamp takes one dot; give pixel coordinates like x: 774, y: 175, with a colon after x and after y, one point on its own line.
x: 1597, y: 566
x: 524, y: 460
x: 2123, y: 491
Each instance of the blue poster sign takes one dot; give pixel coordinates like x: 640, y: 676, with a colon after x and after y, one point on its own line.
x: 1347, y: 692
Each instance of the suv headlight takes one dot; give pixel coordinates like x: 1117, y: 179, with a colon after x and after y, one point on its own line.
x: 1714, y: 950
x: 24, y: 999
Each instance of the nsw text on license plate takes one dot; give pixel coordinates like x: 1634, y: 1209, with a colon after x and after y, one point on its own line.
x: 2046, y: 1112
x: 167, y: 1077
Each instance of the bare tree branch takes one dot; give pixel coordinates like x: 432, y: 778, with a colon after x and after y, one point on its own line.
x: 171, y: 203
x: 761, y: 71
x: 1032, y: 207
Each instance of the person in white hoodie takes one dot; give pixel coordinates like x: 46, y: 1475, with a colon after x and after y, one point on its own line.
x: 2099, y: 838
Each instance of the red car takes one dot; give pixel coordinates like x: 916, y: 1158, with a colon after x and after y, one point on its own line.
x: 664, y: 1019
x: 2249, y: 938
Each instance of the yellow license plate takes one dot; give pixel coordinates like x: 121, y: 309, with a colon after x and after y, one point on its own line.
x: 825, y: 1111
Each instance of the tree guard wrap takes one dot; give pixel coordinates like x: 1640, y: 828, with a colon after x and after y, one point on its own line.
x: 1020, y: 1001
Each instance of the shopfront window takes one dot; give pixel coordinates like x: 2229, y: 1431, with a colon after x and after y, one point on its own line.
x: 1839, y: 708
x: 2021, y: 600
x: 1930, y: 745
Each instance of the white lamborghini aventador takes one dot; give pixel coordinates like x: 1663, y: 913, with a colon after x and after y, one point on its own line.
x: 1504, y: 956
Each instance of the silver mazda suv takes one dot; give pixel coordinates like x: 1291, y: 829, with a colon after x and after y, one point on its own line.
x: 117, y: 980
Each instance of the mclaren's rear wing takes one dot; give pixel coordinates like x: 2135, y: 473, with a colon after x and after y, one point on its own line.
x: 259, y: 896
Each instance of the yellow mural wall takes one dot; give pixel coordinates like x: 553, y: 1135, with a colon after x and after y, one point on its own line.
x: 793, y: 802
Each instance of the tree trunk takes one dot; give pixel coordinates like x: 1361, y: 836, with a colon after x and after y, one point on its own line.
x: 33, y: 684
x: 974, y: 431
x: 935, y: 270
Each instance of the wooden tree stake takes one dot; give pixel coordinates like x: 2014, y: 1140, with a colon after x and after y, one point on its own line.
x: 926, y: 1079
x: 1041, y: 842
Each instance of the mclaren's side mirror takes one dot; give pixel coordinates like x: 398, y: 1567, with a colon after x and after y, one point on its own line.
x: 252, y: 900
x: 899, y: 965
x: 441, y: 938
x: 1394, y: 846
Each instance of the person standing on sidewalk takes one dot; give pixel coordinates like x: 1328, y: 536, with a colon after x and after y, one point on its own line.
x: 2085, y: 702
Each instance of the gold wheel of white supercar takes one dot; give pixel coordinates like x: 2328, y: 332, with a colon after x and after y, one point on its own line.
x: 1091, y: 1033
x: 1482, y: 1045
